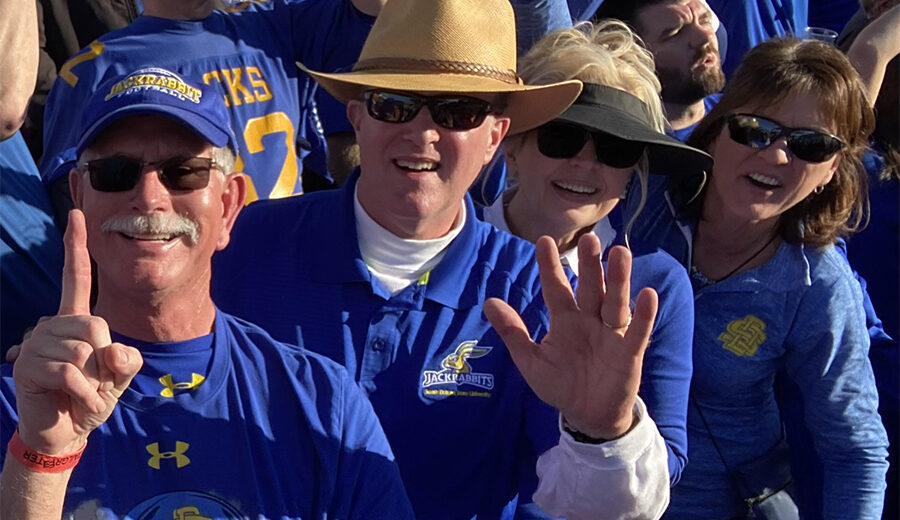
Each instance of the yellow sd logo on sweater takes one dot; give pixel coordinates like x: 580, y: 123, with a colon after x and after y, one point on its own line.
x: 743, y: 337
x: 456, y: 369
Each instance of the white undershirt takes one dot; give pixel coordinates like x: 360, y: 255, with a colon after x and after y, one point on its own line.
x: 399, y: 262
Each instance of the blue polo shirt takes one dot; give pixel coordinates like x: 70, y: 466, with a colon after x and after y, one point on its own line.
x: 464, y: 426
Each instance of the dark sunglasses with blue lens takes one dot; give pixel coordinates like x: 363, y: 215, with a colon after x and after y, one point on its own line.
x: 453, y: 112
x: 806, y: 144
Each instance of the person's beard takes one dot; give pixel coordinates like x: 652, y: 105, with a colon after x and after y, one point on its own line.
x: 700, y: 82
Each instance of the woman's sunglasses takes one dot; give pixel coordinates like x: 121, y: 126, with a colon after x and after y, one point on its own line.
x: 804, y: 143
x: 564, y: 141
x: 119, y: 173
x: 453, y: 112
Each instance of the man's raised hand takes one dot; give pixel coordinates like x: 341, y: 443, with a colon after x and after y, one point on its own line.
x: 69, y: 374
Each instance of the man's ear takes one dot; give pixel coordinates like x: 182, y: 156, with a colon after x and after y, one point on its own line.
x: 498, y: 130
x: 233, y: 195
x: 355, y: 113
x: 76, y: 187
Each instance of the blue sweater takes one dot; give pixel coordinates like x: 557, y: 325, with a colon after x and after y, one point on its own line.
x: 801, y: 312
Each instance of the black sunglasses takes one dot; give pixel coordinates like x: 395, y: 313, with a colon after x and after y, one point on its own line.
x: 453, y: 112
x: 564, y: 141
x: 122, y: 173
x: 804, y: 143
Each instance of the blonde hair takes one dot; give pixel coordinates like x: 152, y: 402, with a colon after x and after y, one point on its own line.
x: 605, y: 53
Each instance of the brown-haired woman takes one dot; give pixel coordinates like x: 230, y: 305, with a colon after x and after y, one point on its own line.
x: 771, y: 293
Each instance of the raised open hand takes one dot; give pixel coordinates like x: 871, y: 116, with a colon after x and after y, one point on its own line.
x: 69, y: 375
x: 588, y: 366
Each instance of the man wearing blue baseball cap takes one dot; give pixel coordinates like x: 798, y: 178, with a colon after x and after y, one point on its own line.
x: 190, y: 412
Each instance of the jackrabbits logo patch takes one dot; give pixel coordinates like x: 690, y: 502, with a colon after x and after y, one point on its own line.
x: 456, y: 372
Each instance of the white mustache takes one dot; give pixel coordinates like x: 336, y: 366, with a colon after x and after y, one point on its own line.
x: 154, y: 224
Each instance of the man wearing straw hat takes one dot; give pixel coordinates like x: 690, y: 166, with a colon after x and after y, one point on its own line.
x: 442, y: 318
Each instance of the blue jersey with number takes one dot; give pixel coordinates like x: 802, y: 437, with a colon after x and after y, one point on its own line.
x: 249, y: 53
x: 231, y: 426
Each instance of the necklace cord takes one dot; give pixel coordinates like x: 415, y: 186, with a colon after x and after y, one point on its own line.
x: 745, y: 262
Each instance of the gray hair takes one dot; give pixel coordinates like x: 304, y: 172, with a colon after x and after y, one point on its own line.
x: 225, y: 159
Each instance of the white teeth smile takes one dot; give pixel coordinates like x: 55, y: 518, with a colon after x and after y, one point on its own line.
x: 149, y: 237
x: 575, y: 188
x: 762, y: 179
x: 418, y: 166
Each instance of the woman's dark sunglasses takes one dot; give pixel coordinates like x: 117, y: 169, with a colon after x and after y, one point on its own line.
x: 564, y: 141
x: 804, y: 143
x: 122, y: 173
x: 453, y: 112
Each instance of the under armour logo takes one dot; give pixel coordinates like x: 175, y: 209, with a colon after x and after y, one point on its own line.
x: 188, y: 513
x: 743, y: 337
x: 181, y: 460
x: 171, y: 386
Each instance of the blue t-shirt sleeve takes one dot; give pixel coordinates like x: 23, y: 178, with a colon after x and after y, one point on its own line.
x: 9, y: 418
x: 369, y: 478
x: 827, y: 359
x: 31, y: 247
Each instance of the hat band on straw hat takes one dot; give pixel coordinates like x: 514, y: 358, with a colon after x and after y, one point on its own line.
x: 438, y: 66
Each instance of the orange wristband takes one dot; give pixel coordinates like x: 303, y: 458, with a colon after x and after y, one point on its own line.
x: 40, y: 462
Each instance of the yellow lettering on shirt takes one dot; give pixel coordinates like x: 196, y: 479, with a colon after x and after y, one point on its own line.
x: 93, y: 50
x: 239, y: 93
x: 258, y: 82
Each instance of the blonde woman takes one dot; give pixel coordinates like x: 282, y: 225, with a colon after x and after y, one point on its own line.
x: 570, y: 174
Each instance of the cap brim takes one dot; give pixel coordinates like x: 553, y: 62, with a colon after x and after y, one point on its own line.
x: 200, y: 125
x: 527, y: 106
x: 667, y: 155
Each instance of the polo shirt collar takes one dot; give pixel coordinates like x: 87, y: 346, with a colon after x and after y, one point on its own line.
x: 452, y: 283
x: 441, y: 285
x: 345, y: 264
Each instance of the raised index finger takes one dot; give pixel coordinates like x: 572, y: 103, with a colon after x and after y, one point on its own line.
x: 76, y: 278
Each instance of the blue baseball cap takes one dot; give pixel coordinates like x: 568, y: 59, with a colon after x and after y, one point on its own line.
x: 60, y: 166
x: 153, y: 90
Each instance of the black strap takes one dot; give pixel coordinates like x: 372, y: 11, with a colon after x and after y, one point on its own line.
x: 733, y: 476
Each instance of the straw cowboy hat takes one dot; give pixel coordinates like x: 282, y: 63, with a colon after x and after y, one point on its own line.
x: 449, y: 46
